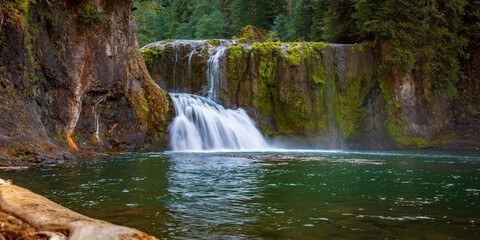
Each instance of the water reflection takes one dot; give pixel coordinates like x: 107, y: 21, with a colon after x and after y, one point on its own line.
x: 298, y: 195
x: 214, y: 195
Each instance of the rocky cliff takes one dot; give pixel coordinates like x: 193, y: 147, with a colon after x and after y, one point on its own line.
x: 317, y: 94
x: 72, y: 79
x: 416, y: 116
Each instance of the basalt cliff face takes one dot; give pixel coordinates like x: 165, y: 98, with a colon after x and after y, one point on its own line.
x: 72, y: 79
x: 321, y: 95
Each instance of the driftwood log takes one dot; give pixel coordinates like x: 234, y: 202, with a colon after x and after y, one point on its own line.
x: 26, y: 215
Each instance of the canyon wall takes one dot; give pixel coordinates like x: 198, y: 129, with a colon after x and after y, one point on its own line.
x: 72, y: 79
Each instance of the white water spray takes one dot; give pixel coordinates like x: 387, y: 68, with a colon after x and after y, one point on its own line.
x: 202, y: 125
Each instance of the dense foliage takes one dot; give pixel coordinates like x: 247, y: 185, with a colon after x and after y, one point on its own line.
x: 427, y: 37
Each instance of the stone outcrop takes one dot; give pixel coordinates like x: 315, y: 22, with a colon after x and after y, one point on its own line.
x: 72, y: 79
x: 418, y: 117
x: 26, y: 215
x: 315, y: 94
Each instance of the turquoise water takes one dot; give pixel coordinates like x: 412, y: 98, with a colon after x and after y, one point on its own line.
x: 281, y: 195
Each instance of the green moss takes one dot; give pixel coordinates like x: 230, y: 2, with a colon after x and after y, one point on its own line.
x: 205, y: 51
x: 214, y: 42
x: 319, y: 75
x: 293, y: 60
x: 151, y: 54
x: 152, y: 108
x: 293, y: 109
x: 248, y: 32
x: 348, y: 106
x: 265, y: 127
x: 267, y: 57
x: 358, y: 47
x: 396, y: 128
x: 292, y: 112
x: 88, y: 15
x: 76, y: 137
x: 31, y: 31
x: 319, y: 46
x: 197, y: 77
x: 15, y: 8
x: 235, y: 52
x: 145, y: 108
x: 320, y: 107
x: 303, y: 51
x: 152, y: 104
x: 235, y: 63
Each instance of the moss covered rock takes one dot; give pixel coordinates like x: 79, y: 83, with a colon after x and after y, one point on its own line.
x: 73, y: 80
x: 329, y: 95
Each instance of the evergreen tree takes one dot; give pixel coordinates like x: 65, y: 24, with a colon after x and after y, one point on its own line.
x: 150, y: 22
x: 339, y: 25
x: 318, y: 19
x: 241, y: 14
x: 264, y: 13
x: 302, y: 22
x: 212, y: 26
x: 280, y: 27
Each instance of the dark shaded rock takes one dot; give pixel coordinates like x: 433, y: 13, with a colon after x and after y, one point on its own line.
x: 73, y: 78
x: 416, y: 117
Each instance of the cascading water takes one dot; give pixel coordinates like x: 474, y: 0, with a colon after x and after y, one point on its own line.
x: 201, y: 124
x: 189, y: 67
x: 174, y: 75
x: 214, y: 73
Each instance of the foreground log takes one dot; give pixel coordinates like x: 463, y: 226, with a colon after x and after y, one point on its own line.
x: 28, y: 215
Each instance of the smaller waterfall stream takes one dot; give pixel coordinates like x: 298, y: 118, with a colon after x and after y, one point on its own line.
x: 202, y: 125
x: 189, y: 66
x: 214, y: 73
x: 174, y: 73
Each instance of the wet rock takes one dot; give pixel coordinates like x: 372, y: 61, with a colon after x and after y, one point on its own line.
x: 68, y: 85
x: 50, y: 162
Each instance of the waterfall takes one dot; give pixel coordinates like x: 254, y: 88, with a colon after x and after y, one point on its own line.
x: 174, y: 75
x: 201, y: 124
x: 189, y: 66
x: 214, y: 73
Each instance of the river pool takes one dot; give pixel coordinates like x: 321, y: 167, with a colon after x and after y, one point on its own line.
x: 274, y: 195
